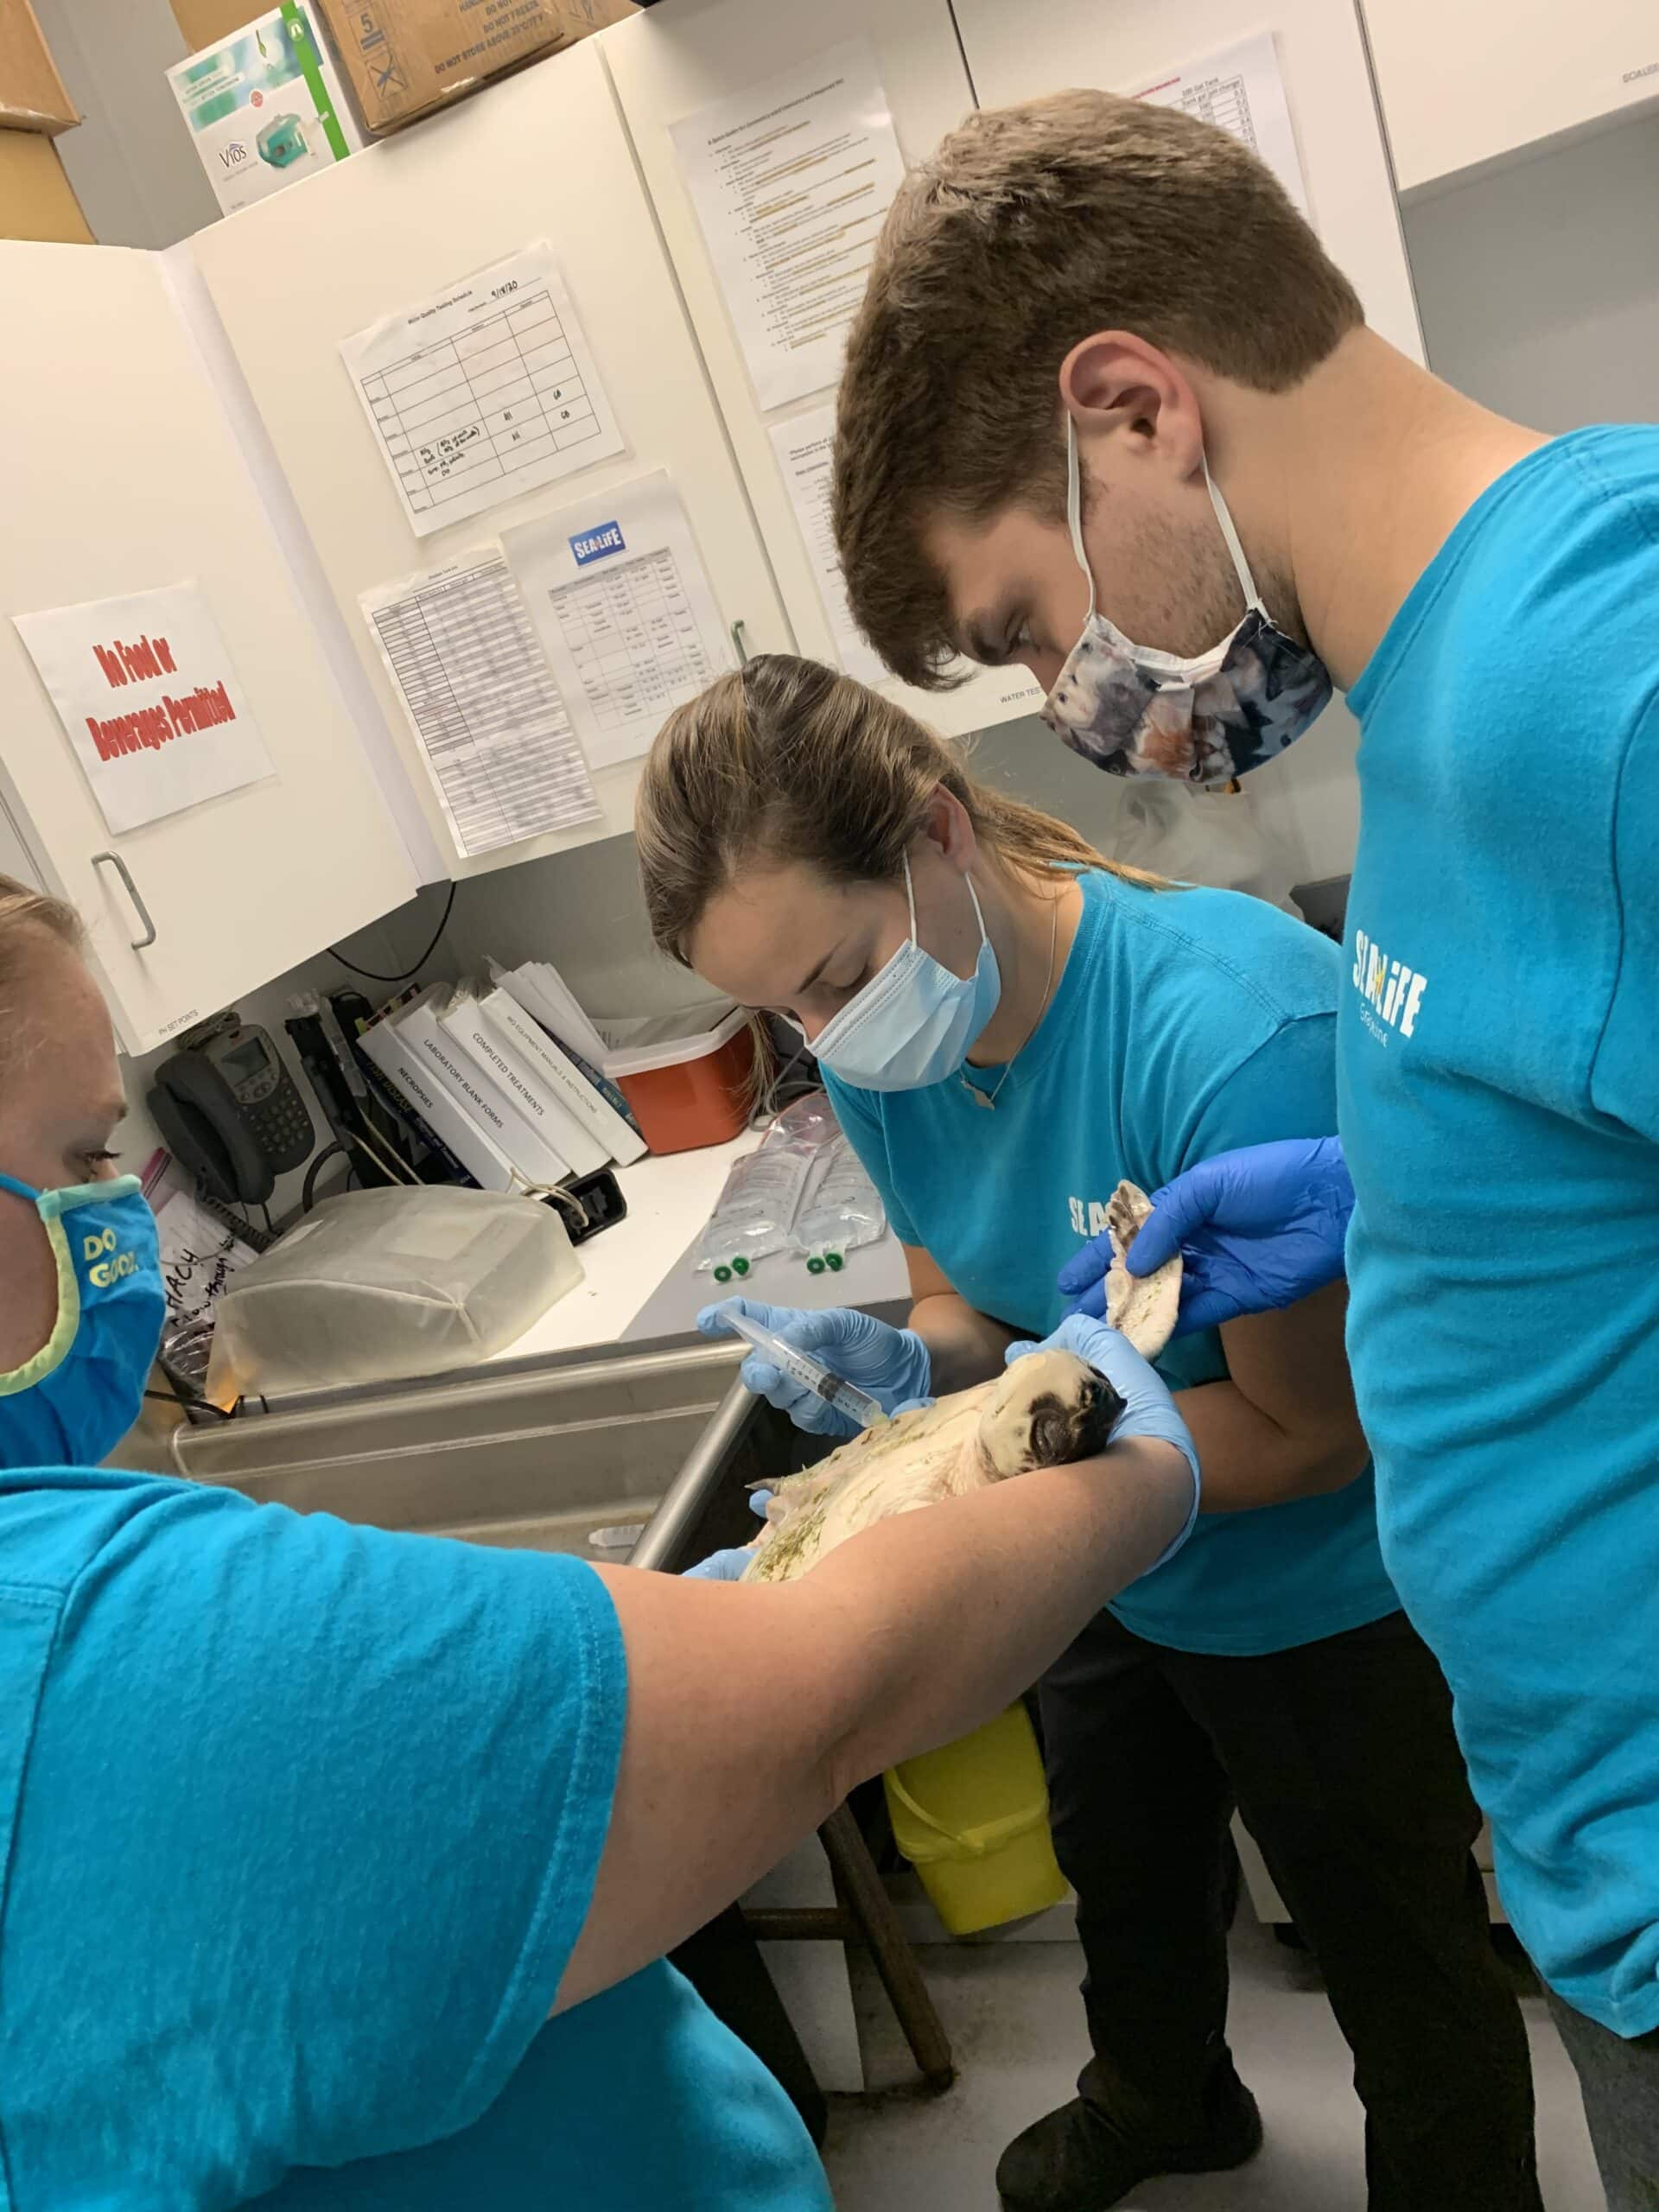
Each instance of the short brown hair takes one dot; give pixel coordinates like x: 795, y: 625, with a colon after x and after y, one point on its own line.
x: 790, y: 760
x: 1030, y: 227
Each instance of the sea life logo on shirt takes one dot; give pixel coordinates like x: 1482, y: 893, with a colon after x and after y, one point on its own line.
x: 605, y: 538
x: 1088, y: 1216
x: 1392, y: 992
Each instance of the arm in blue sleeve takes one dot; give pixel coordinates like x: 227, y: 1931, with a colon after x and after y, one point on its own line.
x: 1286, y: 1088
x: 351, y: 1790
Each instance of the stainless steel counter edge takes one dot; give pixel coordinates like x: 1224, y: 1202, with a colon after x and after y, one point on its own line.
x: 505, y: 1373
x: 688, y: 1494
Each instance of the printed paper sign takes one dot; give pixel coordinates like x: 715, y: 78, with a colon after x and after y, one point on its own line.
x: 482, y: 702
x: 790, y: 180
x: 624, y: 610
x: 1241, y: 91
x: 483, y: 392
x: 145, y: 688
x: 804, y: 445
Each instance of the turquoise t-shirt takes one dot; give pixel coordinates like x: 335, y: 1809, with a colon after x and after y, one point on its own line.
x: 300, y: 1822
x: 1185, y: 1022
x: 1499, y: 1059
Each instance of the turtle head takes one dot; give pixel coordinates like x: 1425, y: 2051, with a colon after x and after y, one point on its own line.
x: 1049, y: 1408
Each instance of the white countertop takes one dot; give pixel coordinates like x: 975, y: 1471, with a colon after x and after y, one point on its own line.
x: 669, y: 1199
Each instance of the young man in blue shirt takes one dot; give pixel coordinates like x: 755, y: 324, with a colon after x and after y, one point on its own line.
x: 1109, y: 411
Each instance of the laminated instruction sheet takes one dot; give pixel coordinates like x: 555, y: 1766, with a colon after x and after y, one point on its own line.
x: 483, y: 391
x: 620, y: 599
x: 482, y: 702
x: 790, y: 180
x: 804, y: 445
x: 1241, y: 91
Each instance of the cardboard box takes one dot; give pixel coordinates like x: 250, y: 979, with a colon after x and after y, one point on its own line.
x: 32, y: 96
x: 403, y: 57
x: 36, y: 200
x: 265, y: 106
x: 204, y: 22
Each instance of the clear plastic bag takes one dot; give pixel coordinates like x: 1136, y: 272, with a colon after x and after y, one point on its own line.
x: 757, y: 1209
x: 810, y: 1123
x: 374, y: 1285
x: 754, y: 1212
x: 844, y: 1212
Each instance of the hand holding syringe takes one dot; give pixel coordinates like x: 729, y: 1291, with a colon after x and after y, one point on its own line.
x: 813, y: 1357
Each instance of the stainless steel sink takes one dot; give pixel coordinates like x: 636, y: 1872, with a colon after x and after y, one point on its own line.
x: 535, y: 1454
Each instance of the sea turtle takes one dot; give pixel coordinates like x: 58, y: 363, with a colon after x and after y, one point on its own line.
x: 1046, y: 1409
x: 1144, y: 1307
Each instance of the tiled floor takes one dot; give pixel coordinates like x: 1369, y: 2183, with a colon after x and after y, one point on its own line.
x: 1012, y: 2012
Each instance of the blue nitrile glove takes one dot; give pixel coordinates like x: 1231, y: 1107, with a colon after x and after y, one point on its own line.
x: 1148, y: 1409
x: 1257, y: 1229
x: 729, y: 1565
x: 892, y: 1365
x: 720, y: 1566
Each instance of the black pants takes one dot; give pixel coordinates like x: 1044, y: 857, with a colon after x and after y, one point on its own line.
x: 1341, y: 1758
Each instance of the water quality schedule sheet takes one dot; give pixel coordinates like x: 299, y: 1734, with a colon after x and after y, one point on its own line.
x: 624, y: 609
x: 484, y: 392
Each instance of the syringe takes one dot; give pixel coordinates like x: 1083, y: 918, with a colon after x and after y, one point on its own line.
x: 811, y: 1374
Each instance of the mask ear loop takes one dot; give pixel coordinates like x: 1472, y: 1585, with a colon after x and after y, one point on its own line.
x: 984, y: 934
x: 1074, y: 505
x: 1223, y: 516
x: 1235, y: 547
x: 979, y: 916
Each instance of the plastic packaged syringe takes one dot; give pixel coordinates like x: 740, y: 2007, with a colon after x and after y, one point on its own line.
x: 811, y: 1374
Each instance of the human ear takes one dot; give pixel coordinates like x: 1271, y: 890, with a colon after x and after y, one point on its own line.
x: 948, y: 829
x: 1116, y: 385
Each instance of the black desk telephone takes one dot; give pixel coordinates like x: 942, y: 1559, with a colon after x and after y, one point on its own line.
x: 230, y: 1112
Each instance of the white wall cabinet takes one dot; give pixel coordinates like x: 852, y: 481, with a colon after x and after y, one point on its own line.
x: 123, y: 475
x: 670, y: 61
x: 1015, y: 53
x: 542, y: 155
x: 1467, y: 86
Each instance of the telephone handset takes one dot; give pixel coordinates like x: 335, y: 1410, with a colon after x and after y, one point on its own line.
x: 229, y: 1110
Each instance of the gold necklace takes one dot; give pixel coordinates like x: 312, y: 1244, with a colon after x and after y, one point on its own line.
x: 987, y: 1099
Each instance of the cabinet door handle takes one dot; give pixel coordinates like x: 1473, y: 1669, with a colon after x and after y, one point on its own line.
x: 739, y: 643
x: 125, y: 875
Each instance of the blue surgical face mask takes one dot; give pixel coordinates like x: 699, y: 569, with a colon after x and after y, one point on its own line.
x: 914, y: 1022
x: 71, y: 1404
x: 1135, y: 711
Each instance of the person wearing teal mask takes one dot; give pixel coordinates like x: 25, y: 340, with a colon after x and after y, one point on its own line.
x: 76, y: 1398
x: 1007, y: 1024
x: 337, y: 1867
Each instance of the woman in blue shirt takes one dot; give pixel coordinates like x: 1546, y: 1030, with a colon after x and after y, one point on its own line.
x: 1007, y: 1025
x: 340, y: 1865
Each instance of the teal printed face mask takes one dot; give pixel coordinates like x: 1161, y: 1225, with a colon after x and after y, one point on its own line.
x: 71, y: 1404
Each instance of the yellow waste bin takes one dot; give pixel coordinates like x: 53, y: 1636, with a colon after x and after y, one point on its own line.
x: 972, y: 1818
